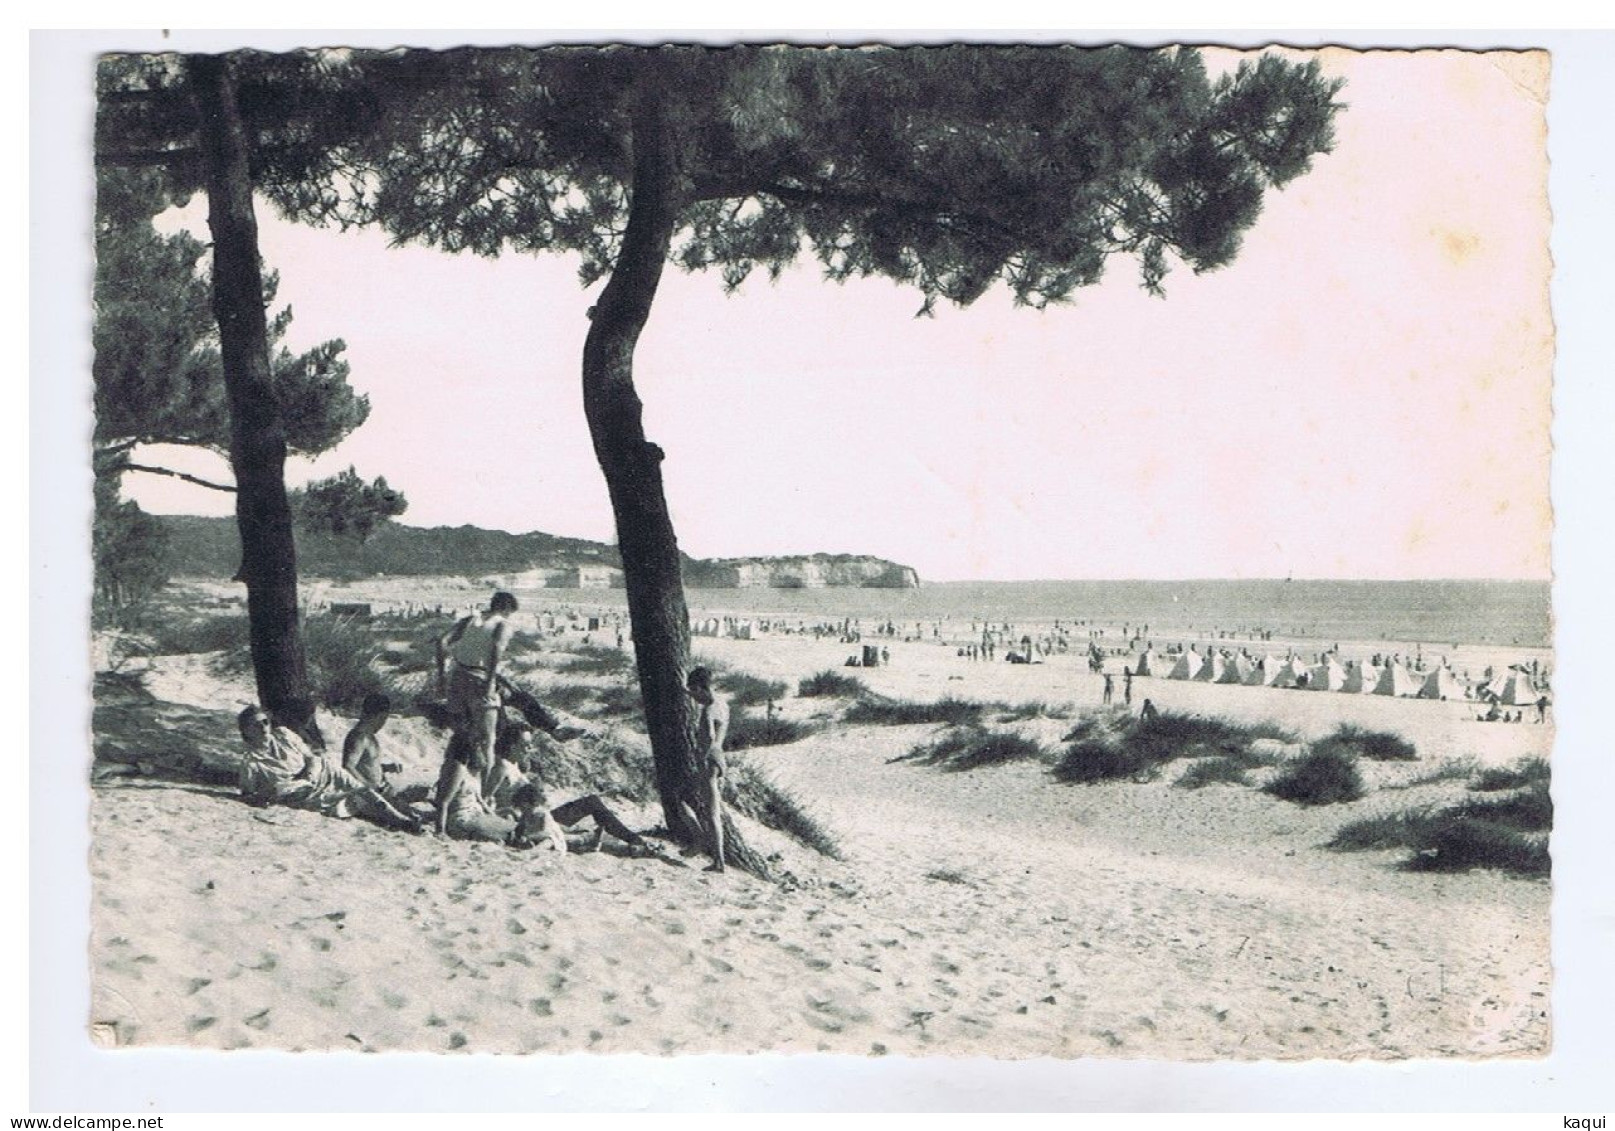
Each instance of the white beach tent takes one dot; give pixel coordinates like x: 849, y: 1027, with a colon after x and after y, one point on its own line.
x: 1187, y: 667
x: 1148, y: 662
x: 1443, y: 684
x: 1266, y: 671
x: 1238, y: 670
x: 1293, y: 674
x: 1394, y: 679
x: 1212, y: 670
x: 1327, y: 676
x: 1514, y: 687
x: 1361, y: 679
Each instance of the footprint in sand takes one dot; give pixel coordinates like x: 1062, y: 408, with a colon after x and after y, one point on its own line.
x: 540, y: 1006
x: 259, y: 1020
x: 197, y: 1024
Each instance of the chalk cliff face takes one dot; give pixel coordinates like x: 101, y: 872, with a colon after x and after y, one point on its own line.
x: 815, y: 571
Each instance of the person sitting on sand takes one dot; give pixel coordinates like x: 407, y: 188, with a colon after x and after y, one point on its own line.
x: 477, y: 645
x: 278, y: 768
x: 361, y: 750
x: 464, y: 814
x: 1147, y: 712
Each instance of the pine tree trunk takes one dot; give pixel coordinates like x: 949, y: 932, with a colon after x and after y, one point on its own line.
x: 652, y: 573
x: 257, y: 435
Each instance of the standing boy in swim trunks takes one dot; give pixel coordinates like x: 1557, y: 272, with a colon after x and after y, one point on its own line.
x: 477, y: 645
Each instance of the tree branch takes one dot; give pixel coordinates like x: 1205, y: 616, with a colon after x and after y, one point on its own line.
x: 178, y: 475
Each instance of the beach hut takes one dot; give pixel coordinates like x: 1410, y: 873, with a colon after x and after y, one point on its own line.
x: 1443, y: 684
x: 1327, y: 676
x: 1187, y: 667
x: 1266, y: 671
x: 1394, y: 679
x: 1211, y: 671
x: 1238, y: 670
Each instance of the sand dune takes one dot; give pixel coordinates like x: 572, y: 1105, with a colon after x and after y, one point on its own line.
x: 994, y: 912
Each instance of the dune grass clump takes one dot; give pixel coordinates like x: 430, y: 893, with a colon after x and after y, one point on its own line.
x: 743, y: 690
x: 1528, y: 772
x: 1375, y: 745
x: 342, y: 656
x: 905, y: 712
x: 1387, y: 830
x: 971, y: 748
x: 747, y: 731
x: 830, y: 685
x: 591, y: 659
x: 1037, y: 709
x: 1105, y: 748
x: 1087, y: 761
x: 1508, y: 834
x: 1459, y: 843
x: 754, y: 795
x: 1214, y: 771
x: 228, y: 632
x: 1319, y: 777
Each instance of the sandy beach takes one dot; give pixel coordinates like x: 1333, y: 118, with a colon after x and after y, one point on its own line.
x: 993, y: 912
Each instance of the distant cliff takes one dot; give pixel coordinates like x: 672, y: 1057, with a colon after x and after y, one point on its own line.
x: 209, y: 547
x: 812, y: 571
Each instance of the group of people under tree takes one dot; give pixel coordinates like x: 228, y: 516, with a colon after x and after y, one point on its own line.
x: 490, y: 787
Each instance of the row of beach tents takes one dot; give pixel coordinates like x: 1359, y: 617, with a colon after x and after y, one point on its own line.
x: 1514, y: 686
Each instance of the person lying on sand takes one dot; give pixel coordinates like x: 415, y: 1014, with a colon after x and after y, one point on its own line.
x: 361, y: 750
x: 278, y: 768
x: 466, y: 815
x: 536, y: 824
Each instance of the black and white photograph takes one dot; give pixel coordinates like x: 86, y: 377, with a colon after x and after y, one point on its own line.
x: 1024, y: 550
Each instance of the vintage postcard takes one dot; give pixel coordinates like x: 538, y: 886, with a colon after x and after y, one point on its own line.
x: 956, y: 550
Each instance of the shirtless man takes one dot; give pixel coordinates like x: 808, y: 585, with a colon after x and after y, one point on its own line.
x: 361, y: 750
x: 711, y: 728
x: 477, y: 646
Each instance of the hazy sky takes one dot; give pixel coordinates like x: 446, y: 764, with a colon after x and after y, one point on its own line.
x: 1363, y: 393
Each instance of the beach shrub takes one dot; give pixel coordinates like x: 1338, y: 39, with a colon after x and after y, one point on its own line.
x: 753, y: 794
x: 1459, y: 843
x: 1111, y: 746
x: 590, y: 659
x: 830, y: 685
x: 747, y: 731
x: 1037, y: 709
x: 1530, y: 810
x: 969, y: 748
x: 1375, y: 745
x: 1088, y: 761
x: 904, y: 712
x: 1387, y: 830
x: 1213, y: 771
x: 745, y: 690
x: 620, y: 700
x: 229, y: 633
x: 342, y: 656
x: 1529, y: 771
x: 1319, y: 777
x: 1506, y: 833
x: 570, y: 697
